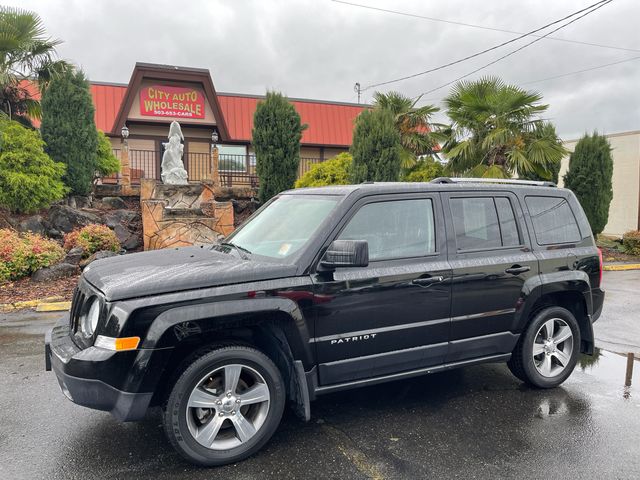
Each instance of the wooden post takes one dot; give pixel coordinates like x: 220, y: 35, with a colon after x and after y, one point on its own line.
x: 215, y: 170
x: 629, y: 373
x: 125, y: 178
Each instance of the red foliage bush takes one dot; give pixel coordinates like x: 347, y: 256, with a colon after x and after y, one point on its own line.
x: 92, y: 239
x: 21, y: 255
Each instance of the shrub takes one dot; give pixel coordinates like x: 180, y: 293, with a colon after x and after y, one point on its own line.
x: 589, y: 176
x: 424, y: 171
x: 21, y: 255
x: 276, y: 139
x: 376, y: 148
x: 107, y: 162
x: 92, y: 239
x: 29, y: 179
x: 631, y: 242
x: 334, y: 171
x: 69, y: 130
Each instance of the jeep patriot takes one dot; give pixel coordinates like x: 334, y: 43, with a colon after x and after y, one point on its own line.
x: 331, y: 288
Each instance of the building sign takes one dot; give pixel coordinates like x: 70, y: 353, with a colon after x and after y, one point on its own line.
x: 169, y: 101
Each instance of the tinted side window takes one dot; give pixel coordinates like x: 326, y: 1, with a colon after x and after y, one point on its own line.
x: 484, y: 222
x: 394, y: 229
x: 553, y: 220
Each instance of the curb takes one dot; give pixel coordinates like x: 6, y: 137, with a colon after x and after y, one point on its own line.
x: 48, y: 304
x: 620, y: 268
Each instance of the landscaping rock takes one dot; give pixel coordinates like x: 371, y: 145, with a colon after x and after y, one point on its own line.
x: 74, y: 256
x: 33, y: 224
x: 116, y: 217
x: 122, y: 233
x: 65, y: 219
x: 55, y: 272
x: 81, y: 201
x: 97, y: 256
x: 134, y: 241
x: 114, y: 202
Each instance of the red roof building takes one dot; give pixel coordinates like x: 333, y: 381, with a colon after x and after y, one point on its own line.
x: 158, y: 94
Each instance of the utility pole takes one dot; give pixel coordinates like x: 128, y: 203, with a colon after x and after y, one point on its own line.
x: 356, y: 88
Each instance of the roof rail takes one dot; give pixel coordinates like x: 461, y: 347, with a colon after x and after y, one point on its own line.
x: 533, y: 183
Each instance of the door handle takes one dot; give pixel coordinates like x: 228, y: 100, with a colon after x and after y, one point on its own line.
x: 425, y: 282
x: 517, y: 269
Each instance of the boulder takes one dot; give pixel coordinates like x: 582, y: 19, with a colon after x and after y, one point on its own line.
x: 82, y: 201
x: 122, y: 233
x: 33, y: 224
x: 97, y: 256
x: 132, y: 242
x: 116, y: 217
x: 114, y: 202
x: 65, y: 219
x: 74, y: 256
x: 61, y: 270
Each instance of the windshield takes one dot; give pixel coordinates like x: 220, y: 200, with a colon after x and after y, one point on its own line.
x: 284, y: 226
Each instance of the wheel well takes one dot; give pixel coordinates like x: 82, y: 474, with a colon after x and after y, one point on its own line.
x: 574, y: 302
x: 262, y: 336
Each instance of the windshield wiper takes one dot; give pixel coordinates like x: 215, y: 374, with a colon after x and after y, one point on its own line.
x: 241, y: 250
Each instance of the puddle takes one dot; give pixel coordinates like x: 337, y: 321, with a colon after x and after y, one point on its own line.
x: 612, y: 368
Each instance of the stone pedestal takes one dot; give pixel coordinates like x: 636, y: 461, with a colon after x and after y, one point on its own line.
x: 182, y: 215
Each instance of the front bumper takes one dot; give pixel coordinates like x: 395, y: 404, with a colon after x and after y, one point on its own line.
x: 87, y: 376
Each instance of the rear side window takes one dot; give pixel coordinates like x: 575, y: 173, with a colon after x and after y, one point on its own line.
x: 394, y: 229
x: 484, y: 223
x: 553, y: 220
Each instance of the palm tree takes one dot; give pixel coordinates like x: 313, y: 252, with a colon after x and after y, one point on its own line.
x: 418, y: 135
x: 27, y: 58
x: 497, y: 131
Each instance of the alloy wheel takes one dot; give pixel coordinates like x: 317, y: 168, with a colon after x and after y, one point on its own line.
x: 552, y: 347
x: 227, y: 407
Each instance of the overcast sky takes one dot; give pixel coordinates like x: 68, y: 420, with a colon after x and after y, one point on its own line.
x: 319, y: 49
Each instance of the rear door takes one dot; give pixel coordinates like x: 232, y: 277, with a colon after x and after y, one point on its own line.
x: 491, y: 259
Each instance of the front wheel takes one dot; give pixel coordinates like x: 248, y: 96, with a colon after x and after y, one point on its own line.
x: 548, y: 350
x: 225, y: 406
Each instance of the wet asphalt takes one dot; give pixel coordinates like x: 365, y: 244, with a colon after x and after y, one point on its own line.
x: 476, y: 422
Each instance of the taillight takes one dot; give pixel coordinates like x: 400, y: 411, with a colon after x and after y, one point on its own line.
x: 601, y: 266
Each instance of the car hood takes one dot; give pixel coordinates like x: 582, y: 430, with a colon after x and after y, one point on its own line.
x: 171, y: 270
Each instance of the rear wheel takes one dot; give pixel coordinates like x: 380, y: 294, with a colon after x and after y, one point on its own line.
x: 548, y: 350
x: 225, y: 406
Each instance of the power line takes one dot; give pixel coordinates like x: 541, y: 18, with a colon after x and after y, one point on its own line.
x: 482, y: 27
x: 581, y: 71
x: 597, y: 7
x: 477, y: 54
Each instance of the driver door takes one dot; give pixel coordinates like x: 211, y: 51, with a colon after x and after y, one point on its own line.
x: 393, y: 315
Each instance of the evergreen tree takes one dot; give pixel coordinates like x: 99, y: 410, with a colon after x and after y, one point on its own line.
x: 29, y: 179
x: 376, y: 148
x: 589, y: 176
x: 69, y: 130
x: 276, y: 139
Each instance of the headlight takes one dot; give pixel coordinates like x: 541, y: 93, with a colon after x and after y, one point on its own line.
x: 89, y: 321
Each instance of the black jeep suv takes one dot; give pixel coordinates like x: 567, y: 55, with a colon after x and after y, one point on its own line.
x: 325, y: 289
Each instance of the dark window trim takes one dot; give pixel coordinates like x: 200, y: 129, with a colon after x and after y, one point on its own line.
x: 493, y: 196
x: 535, y: 233
x: 435, y: 229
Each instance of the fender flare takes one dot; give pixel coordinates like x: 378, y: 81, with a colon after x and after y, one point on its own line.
x: 171, y: 326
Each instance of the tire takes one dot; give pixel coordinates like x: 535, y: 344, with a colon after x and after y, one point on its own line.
x: 209, y: 421
x: 553, y: 361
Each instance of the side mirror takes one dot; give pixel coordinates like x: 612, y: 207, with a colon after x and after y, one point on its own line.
x: 346, y: 253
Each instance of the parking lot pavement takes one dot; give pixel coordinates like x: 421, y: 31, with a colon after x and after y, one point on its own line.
x: 618, y: 328
x: 477, y: 422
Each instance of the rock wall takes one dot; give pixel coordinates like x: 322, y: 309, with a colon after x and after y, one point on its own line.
x: 182, y: 215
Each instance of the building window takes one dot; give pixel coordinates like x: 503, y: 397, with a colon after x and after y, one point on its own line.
x: 232, y: 158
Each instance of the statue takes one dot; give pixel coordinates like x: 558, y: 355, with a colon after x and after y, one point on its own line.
x: 173, y: 172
